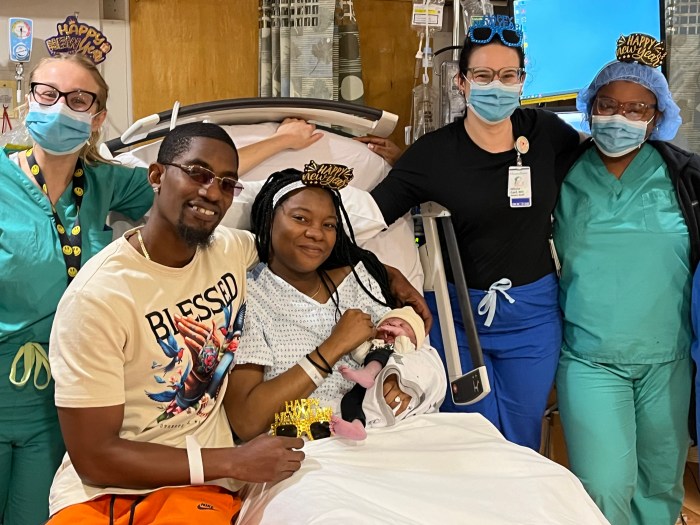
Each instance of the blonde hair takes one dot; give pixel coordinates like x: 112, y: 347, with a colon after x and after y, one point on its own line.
x: 89, y: 153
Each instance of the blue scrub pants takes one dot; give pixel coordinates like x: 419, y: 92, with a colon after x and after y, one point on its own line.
x: 695, y: 348
x: 626, y: 430
x: 521, y: 351
x: 31, y: 448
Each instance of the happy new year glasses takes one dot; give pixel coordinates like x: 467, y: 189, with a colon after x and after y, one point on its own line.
x: 316, y: 430
x: 484, y: 34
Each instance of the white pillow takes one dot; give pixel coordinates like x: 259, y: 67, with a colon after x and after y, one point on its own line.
x: 368, y: 168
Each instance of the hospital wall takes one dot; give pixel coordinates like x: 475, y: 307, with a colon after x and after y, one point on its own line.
x: 199, y: 50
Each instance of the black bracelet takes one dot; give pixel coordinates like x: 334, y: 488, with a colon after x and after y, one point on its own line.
x: 328, y: 371
x: 318, y: 351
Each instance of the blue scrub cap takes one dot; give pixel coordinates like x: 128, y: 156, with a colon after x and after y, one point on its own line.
x: 651, y: 78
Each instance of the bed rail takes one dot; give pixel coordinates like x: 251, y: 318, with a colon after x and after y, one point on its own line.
x: 473, y: 386
x: 361, y: 120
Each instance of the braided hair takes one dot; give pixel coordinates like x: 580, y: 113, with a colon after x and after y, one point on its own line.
x: 345, y: 252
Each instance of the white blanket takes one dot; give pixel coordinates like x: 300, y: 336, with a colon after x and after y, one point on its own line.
x: 420, y: 375
x: 428, y: 469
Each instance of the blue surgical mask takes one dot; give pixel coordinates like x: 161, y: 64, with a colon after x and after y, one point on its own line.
x: 615, y: 135
x: 494, y: 102
x: 58, y: 129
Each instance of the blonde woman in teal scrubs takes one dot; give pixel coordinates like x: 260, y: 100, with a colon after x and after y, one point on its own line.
x: 627, y: 235
x: 54, y: 201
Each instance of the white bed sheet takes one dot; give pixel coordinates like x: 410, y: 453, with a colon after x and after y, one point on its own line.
x: 429, y: 469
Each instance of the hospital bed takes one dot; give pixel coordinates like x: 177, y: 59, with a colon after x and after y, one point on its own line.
x: 435, y: 468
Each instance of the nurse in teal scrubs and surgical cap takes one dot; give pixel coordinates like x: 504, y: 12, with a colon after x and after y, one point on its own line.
x: 627, y: 233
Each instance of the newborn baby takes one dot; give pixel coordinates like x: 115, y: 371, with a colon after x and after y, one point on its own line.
x: 401, y: 330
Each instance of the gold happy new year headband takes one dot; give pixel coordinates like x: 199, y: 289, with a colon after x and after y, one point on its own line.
x: 333, y: 176
x: 330, y: 176
x: 640, y: 48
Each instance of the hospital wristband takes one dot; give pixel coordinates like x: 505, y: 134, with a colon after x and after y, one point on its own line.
x: 311, y: 371
x: 194, y: 457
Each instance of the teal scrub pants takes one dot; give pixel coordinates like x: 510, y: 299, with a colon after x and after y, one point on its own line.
x: 626, y: 430
x: 31, y: 449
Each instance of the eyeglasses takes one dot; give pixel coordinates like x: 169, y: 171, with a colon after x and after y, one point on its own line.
x: 77, y: 100
x: 507, y: 75
x: 607, y: 106
x: 317, y: 430
x: 484, y: 34
x: 205, y: 176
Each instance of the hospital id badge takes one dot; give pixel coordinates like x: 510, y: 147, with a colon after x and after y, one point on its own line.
x: 519, y: 187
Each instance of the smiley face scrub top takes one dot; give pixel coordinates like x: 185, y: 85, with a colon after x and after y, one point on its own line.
x: 33, y: 276
x: 625, y: 254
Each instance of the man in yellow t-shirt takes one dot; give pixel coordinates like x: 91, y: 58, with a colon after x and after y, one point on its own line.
x: 141, y: 348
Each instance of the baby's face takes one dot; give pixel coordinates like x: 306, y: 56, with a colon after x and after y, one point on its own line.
x: 394, y: 327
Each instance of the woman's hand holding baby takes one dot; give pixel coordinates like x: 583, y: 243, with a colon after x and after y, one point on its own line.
x: 352, y: 329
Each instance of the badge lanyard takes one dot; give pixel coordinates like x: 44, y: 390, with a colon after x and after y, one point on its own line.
x: 519, y: 181
x: 70, y: 244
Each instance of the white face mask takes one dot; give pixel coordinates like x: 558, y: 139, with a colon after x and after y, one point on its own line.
x: 58, y: 129
x: 615, y: 135
x: 494, y: 102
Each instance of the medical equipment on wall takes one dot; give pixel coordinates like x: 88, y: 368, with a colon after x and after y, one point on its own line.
x: 474, y: 9
x: 451, y: 99
x: 452, y: 103
x: 7, y: 91
x: 426, y: 19
x: 20, y: 48
x: 21, y: 33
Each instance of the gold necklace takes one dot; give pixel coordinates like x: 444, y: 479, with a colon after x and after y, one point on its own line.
x: 317, y: 290
x: 143, y: 246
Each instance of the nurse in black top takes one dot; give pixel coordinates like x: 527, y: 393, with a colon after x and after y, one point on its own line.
x: 496, y: 171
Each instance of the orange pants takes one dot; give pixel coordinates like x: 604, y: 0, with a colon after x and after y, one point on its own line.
x: 169, y: 506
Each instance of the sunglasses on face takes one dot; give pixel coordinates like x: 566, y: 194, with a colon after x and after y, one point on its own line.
x: 484, y: 35
x: 204, y: 176
x: 317, y: 430
x: 47, y: 95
